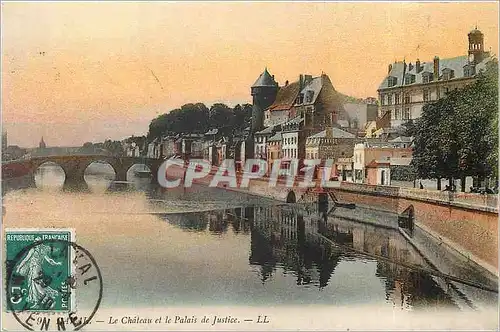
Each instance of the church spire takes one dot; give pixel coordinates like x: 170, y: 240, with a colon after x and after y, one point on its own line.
x: 42, y: 144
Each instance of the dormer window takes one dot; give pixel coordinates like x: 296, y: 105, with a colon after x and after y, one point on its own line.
x: 469, y: 70
x: 309, y: 96
x: 448, y: 74
x: 392, y: 81
x: 300, y: 98
x: 409, y: 78
x: 427, y: 77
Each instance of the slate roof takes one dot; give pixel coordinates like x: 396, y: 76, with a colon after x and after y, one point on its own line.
x: 276, y: 138
x: 295, y: 120
x: 265, y: 79
x: 212, y: 131
x: 286, y: 97
x: 266, y: 131
x: 457, y: 64
x: 336, y: 133
x: 314, y: 86
x: 402, y: 139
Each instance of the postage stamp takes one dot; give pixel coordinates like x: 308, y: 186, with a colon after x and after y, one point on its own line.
x: 39, y: 271
x: 45, y: 270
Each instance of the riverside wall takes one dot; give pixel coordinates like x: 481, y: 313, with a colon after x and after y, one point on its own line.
x: 466, y: 222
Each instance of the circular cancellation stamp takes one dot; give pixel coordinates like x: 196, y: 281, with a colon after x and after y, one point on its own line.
x: 52, y: 283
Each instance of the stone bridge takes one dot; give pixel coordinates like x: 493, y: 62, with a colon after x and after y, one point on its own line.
x: 74, y: 165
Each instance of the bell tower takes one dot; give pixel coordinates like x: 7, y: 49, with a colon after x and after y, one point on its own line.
x: 476, y: 46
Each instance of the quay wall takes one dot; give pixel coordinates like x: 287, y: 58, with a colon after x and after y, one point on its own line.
x: 467, y: 222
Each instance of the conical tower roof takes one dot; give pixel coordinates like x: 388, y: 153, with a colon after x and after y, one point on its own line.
x: 265, y: 79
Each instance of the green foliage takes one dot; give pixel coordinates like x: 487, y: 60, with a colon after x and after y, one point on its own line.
x: 403, y: 173
x: 197, y: 118
x: 457, y: 135
x: 108, y: 146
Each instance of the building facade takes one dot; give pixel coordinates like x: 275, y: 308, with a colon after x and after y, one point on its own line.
x: 408, y: 87
x: 379, y: 152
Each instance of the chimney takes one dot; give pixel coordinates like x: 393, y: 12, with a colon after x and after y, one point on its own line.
x: 410, y: 66
x: 436, y: 68
x: 301, y: 81
x: 417, y: 65
x: 286, y: 83
x: 307, y: 79
x: 390, y: 68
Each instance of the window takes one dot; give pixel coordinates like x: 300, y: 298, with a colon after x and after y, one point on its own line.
x: 406, y: 113
x: 427, y: 77
x: 382, y: 99
x: 427, y: 94
x: 407, y: 98
x: 389, y: 99
x: 309, y: 96
x: 397, y: 98
x: 397, y: 114
x: 392, y: 81
x: 448, y: 74
x: 469, y: 70
x: 409, y: 79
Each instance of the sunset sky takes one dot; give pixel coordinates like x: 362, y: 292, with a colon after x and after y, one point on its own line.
x: 77, y: 72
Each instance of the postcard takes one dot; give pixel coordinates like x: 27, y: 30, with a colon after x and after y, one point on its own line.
x: 249, y: 166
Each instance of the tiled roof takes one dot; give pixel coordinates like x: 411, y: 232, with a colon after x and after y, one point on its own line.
x: 457, y: 64
x: 265, y: 79
x: 286, y: 97
x: 375, y: 163
x: 336, y: 133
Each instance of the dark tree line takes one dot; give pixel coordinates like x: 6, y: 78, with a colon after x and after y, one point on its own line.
x: 457, y: 136
x: 198, y: 118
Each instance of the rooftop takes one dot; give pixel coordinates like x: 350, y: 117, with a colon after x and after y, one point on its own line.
x: 286, y: 97
x: 265, y: 79
x: 400, y: 69
x: 336, y: 133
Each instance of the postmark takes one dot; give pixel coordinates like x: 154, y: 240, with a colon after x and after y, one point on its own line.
x: 52, y: 283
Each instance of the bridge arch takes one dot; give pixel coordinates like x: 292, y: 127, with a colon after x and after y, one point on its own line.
x: 137, y: 166
x: 87, y: 169
x: 56, y: 176
x: 290, y: 197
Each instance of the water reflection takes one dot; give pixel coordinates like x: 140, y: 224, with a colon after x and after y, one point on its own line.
x: 248, y: 250
x: 285, y: 241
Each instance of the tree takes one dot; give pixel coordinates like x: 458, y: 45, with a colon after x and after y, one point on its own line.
x: 457, y: 136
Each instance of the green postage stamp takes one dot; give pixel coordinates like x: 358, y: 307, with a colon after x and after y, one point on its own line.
x: 39, y: 270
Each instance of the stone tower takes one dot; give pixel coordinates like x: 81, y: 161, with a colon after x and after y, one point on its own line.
x: 264, y: 92
x: 476, y: 46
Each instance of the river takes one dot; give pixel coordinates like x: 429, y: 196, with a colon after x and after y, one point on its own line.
x: 210, y: 247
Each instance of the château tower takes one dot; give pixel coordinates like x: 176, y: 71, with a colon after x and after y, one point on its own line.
x: 264, y: 92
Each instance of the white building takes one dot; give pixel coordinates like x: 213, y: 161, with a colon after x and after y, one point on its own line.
x: 408, y: 87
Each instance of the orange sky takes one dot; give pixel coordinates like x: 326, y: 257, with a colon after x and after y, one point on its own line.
x: 95, y: 79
